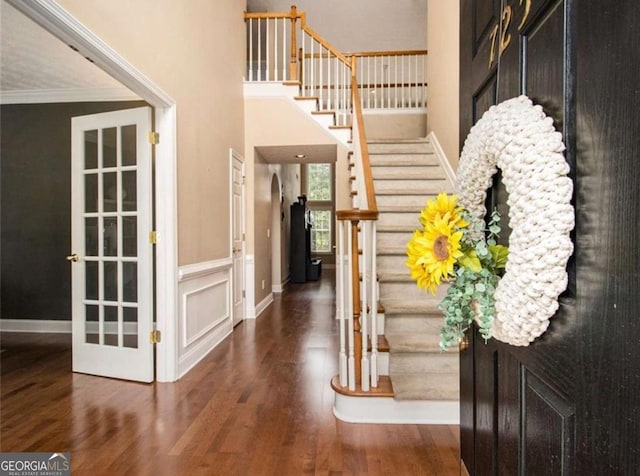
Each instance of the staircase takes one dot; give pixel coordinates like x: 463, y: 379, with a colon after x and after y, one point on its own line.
x: 391, y: 369
x: 406, y: 173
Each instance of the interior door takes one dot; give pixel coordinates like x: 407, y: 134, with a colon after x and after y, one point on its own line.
x: 237, y: 236
x: 111, y: 251
x: 566, y: 404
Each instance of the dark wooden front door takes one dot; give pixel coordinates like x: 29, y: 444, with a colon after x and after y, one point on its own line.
x: 569, y: 404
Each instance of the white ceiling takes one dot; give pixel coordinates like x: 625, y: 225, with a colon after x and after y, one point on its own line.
x: 32, y: 61
x: 286, y: 154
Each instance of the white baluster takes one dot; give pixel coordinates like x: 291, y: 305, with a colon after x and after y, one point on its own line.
x: 395, y: 89
x: 267, y: 52
x: 374, y: 308
x: 351, y: 361
x: 250, y: 49
x: 259, y: 68
x: 342, y: 276
x: 312, y: 79
x: 304, y: 78
x: 364, y: 327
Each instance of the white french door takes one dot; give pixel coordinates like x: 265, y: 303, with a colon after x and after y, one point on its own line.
x: 112, y: 268
x: 237, y: 237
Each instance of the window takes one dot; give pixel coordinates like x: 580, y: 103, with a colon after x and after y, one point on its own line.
x: 319, y: 182
x: 319, y: 191
x: 321, y: 231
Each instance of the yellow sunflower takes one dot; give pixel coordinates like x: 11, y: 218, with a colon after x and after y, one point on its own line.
x: 433, y: 252
x: 440, y: 206
x: 418, y: 247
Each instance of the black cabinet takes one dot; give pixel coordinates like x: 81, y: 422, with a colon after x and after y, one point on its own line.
x: 302, y: 267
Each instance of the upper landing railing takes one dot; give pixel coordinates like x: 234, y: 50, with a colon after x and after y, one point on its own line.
x: 282, y: 47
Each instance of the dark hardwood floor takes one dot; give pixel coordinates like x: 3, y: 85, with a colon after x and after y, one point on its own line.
x: 259, y: 404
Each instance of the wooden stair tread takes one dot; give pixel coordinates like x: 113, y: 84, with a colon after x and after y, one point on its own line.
x: 303, y: 98
x: 332, y: 113
x: 384, y: 388
x: 292, y: 82
x: 383, y: 344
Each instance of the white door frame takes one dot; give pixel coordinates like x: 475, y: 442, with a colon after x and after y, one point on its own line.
x: 56, y: 20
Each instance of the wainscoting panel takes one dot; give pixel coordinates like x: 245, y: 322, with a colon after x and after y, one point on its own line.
x: 205, y: 309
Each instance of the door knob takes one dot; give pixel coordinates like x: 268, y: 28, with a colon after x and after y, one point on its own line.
x: 73, y: 257
x: 237, y: 250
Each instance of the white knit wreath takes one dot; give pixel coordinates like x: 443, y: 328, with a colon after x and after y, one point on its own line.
x: 520, y: 139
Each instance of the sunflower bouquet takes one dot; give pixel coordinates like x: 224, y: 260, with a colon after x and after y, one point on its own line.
x: 454, y: 248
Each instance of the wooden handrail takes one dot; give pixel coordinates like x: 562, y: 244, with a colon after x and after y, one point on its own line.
x: 387, y: 53
x: 356, y: 215
x: 364, y: 149
x: 270, y: 16
x: 325, y: 43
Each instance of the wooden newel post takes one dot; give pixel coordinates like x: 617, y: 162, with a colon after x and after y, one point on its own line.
x: 355, y: 276
x: 294, y: 50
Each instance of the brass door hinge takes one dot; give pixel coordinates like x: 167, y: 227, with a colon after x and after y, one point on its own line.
x: 154, y: 137
x: 244, y: 293
x: 155, y: 337
x: 153, y: 237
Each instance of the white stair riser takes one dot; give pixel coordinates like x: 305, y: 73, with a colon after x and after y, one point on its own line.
x: 396, y: 160
x: 380, y: 329
x: 401, y: 187
x: 421, y: 362
x: 343, y: 135
x: 401, y: 148
x: 383, y: 363
x: 418, y: 172
x: 307, y: 105
x: 325, y: 120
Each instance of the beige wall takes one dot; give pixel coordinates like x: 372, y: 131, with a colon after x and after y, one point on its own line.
x: 262, y: 222
x: 361, y: 25
x: 395, y: 125
x: 292, y: 127
x: 443, y: 74
x: 195, y: 52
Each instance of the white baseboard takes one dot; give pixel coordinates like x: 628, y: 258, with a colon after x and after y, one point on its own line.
x: 262, y: 305
x: 35, y: 325
x: 279, y: 288
x: 442, y: 158
x: 250, y: 294
x: 201, y: 349
x: 390, y: 411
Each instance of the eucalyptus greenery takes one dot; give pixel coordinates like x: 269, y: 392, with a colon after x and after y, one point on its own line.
x: 471, y: 292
